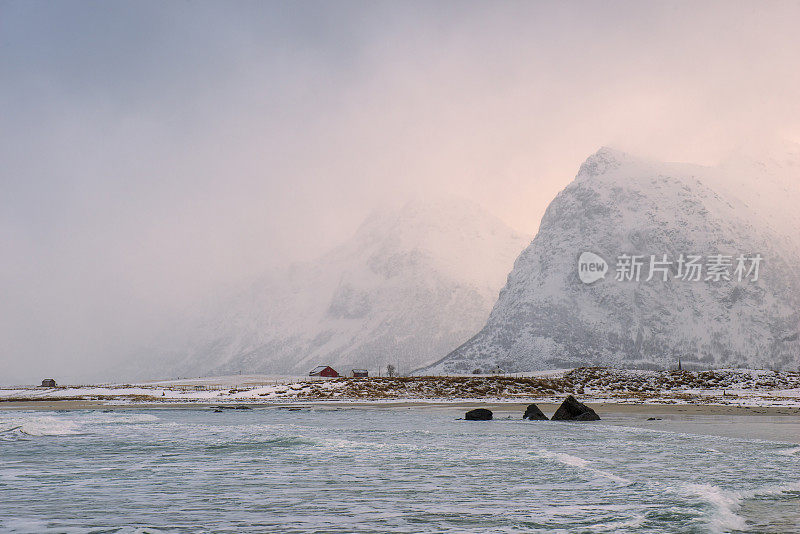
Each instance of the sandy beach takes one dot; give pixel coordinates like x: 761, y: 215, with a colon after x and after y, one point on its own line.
x: 500, y: 408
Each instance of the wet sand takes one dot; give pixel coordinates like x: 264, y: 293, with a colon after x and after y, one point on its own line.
x: 501, y: 408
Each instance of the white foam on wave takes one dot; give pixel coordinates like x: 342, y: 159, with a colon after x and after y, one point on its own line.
x: 725, y: 503
x: 340, y: 443
x: 19, y: 524
x: 635, y: 521
x: 580, y: 463
x: 766, y: 491
x: 49, y: 426
x: 724, y: 506
x: 794, y: 451
x: 568, y: 459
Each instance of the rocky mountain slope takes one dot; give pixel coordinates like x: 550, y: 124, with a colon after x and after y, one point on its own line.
x: 619, y: 206
x: 410, y: 286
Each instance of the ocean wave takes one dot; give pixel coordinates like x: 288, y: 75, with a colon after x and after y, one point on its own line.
x: 568, y: 459
x: 147, y: 530
x: 11, y: 432
x: 596, y: 517
x: 57, y: 425
x: 340, y: 443
x: 772, y: 490
x: 580, y: 463
x: 134, y: 418
x: 27, y: 525
x: 49, y: 426
x: 118, y: 418
x: 724, y: 505
x: 616, y: 525
x: 278, y: 442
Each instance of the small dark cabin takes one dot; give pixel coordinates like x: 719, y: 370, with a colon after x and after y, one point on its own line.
x: 359, y: 373
x: 324, y: 371
x: 48, y: 383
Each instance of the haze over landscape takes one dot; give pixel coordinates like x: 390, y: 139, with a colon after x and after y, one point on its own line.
x: 158, y: 160
x: 400, y: 266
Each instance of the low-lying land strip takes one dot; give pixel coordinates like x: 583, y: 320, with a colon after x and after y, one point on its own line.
x: 737, y: 387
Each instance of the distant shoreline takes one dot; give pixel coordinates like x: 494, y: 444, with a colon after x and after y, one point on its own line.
x: 722, y: 391
x: 499, y: 406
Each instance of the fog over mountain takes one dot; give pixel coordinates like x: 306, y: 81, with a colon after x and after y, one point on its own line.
x: 547, y: 317
x: 409, y: 286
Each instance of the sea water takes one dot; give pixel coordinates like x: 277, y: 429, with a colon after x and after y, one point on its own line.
x: 361, y: 469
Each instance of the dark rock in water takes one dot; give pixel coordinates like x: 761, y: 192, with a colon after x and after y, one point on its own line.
x: 533, y: 413
x: 572, y: 410
x: 243, y: 408
x: 654, y: 419
x: 217, y: 410
x: 479, y: 414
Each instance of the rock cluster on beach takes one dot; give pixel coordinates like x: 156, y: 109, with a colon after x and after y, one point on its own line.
x: 479, y: 414
x: 533, y: 413
x: 570, y: 410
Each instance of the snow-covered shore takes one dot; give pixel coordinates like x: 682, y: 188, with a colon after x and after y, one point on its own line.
x: 724, y: 387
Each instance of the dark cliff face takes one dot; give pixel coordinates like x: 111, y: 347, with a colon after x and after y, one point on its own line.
x: 547, y: 317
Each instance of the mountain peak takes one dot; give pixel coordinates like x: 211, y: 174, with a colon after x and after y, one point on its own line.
x: 408, y: 287
x: 603, y: 161
x: 547, y: 317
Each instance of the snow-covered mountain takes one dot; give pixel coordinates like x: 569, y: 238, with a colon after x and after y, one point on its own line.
x: 407, y: 288
x: 546, y: 317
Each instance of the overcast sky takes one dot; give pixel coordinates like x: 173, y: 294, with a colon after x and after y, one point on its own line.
x: 151, y: 151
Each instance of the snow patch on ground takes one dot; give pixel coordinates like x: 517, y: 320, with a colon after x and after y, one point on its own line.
x: 732, y: 387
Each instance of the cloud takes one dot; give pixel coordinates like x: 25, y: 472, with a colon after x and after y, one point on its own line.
x: 153, y: 152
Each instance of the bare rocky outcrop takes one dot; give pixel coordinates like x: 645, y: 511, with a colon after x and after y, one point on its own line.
x: 572, y: 410
x: 533, y: 413
x: 478, y: 414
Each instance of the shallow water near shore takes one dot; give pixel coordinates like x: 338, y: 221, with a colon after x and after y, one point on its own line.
x: 376, y: 469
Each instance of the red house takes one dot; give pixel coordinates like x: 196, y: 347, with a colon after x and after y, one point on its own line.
x: 324, y: 370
